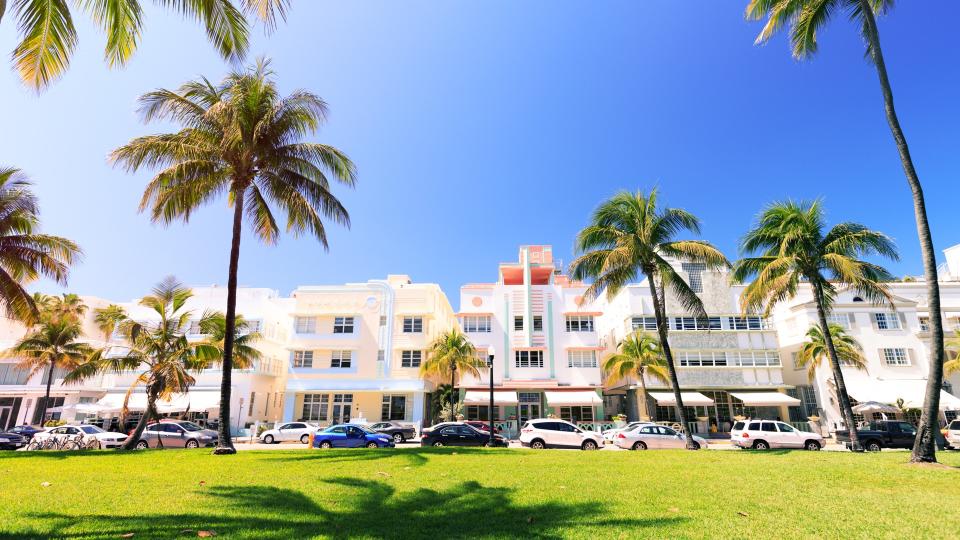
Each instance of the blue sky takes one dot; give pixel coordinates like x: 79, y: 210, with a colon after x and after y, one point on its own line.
x: 480, y: 126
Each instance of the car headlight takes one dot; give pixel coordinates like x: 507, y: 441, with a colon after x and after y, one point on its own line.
x: 4, y: 439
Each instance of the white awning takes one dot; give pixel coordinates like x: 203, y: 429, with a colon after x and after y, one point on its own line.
x: 500, y: 397
x: 690, y: 399
x: 582, y: 397
x: 87, y: 408
x: 765, y: 399
x: 197, y: 401
x: 912, y: 392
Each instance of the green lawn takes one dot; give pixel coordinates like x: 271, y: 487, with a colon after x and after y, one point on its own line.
x: 443, y: 493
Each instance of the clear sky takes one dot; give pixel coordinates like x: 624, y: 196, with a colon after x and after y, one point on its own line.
x: 480, y: 126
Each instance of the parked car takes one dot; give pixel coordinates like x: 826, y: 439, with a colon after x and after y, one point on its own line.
x: 290, y: 431
x: 611, y: 434
x: 351, y: 436
x: 104, y: 439
x: 552, y: 433
x: 397, y: 431
x: 176, y: 434
x: 25, y: 431
x: 766, y: 434
x: 459, y: 434
x: 886, y: 434
x: 12, y: 441
x: 426, y: 431
x: 952, y: 434
x: 652, y: 436
x: 482, y: 426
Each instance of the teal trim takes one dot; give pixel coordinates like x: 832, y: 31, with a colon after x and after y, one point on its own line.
x: 508, y: 324
x: 553, y: 371
x: 528, y: 323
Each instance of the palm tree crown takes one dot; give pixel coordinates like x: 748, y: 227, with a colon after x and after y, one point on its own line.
x: 245, y: 354
x: 108, y: 319
x: 637, y: 355
x: 449, y: 353
x: 814, y: 350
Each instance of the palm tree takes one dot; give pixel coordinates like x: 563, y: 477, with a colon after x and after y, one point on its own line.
x: 805, y: 18
x: 629, y: 235
x: 68, y: 306
x: 48, y: 36
x: 449, y: 353
x: 25, y: 254
x: 814, y: 350
x: 791, y: 248
x: 953, y: 345
x: 159, y: 350
x: 637, y: 355
x: 53, y: 344
x: 214, y: 325
x: 108, y: 319
x: 240, y: 138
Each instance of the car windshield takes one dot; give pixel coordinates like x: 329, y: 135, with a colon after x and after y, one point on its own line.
x: 367, y: 430
x: 190, y: 426
x: 91, y: 429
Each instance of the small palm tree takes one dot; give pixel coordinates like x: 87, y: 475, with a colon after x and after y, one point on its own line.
x: 814, y: 350
x: 214, y: 325
x: 25, y: 254
x: 108, y: 319
x: 48, y: 36
x: 806, y: 18
x: 629, y: 235
x: 243, y: 139
x: 791, y: 248
x: 159, y: 351
x: 639, y: 354
x: 449, y: 353
x: 53, y: 344
x: 67, y: 306
x: 953, y: 346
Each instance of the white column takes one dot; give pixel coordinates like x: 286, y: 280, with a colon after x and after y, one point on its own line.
x: 418, y: 410
x: 289, y: 401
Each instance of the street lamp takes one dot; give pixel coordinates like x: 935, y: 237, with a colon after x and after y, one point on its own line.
x: 490, y: 412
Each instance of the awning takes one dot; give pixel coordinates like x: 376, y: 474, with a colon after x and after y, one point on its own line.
x: 690, y: 399
x: 87, y: 408
x: 500, y: 397
x: 912, y: 392
x: 197, y: 401
x: 584, y: 397
x: 765, y: 399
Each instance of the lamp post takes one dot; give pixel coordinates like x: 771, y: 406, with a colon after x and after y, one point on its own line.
x: 490, y: 412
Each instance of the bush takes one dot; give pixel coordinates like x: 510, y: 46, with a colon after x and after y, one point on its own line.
x: 54, y: 423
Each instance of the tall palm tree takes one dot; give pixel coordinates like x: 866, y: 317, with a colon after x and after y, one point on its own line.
x: 25, y: 254
x: 53, y: 344
x: 214, y: 325
x: 108, y: 319
x: 159, y: 350
x: 637, y: 355
x: 243, y: 139
x: 792, y: 247
x: 805, y: 19
x: 629, y: 235
x: 814, y: 350
x: 48, y: 36
x: 449, y: 353
x: 66, y: 306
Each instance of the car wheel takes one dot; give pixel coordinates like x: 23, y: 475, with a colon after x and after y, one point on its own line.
x: 874, y: 446
x: 143, y: 445
x: 268, y: 439
x: 398, y: 438
x: 761, y: 445
x: 537, y: 444
x: 372, y: 445
x: 588, y: 445
x: 695, y: 445
x: 639, y: 445
x: 438, y: 443
x: 192, y: 444
x: 811, y: 445
x: 326, y: 444
x: 305, y: 438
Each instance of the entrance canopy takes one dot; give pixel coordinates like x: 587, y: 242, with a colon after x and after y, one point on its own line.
x: 765, y: 399
x: 690, y: 399
x: 583, y: 397
x: 197, y: 401
x: 500, y: 397
x: 911, y: 392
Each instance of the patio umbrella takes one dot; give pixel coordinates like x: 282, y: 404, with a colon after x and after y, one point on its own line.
x: 874, y: 407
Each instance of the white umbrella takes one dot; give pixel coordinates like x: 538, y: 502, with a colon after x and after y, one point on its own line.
x: 874, y: 406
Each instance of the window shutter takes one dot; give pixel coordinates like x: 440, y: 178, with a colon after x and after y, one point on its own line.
x: 873, y: 319
x: 912, y: 356
x: 903, y: 320
x: 883, y: 357
x: 852, y: 318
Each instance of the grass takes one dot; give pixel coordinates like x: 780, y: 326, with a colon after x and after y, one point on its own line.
x: 457, y: 493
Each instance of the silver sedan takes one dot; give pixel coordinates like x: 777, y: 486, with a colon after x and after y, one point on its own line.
x: 654, y: 437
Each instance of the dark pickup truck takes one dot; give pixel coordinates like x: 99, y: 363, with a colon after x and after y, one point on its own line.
x: 884, y: 434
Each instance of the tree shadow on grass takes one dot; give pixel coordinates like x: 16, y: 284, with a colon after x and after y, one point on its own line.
x: 357, y: 508
x: 413, y: 456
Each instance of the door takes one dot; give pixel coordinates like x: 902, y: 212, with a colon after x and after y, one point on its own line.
x: 650, y: 436
x: 669, y: 438
x: 789, y: 437
x: 337, y: 437
x: 355, y: 437
x: 570, y: 435
x: 769, y: 433
x: 450, y: 436
x: 529, y: 411
x: 6, y: 412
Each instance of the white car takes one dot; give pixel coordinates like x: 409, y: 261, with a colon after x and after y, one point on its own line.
x: 553, y: 433
x: 104, y: 439
x: 289, y: 431
x: 766, y: 434
x: 952, y: 434
x: 611, y: 434
x: 652, y: 436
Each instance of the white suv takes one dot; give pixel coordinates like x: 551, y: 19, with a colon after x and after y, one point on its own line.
x: 952, y: 434
x: 553, y: 433
x: 766, y: 434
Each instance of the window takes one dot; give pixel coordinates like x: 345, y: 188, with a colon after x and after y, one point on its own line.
x: 839, y: 319
x: 393, y: 407
x: 695, y: 273
x: 693, y: 323
x: 582, y: 359
x: 482, y: 412
x: 528, y: 359
x: 341, y: 359
x: 253, y: 326
x: 896, y: 357
x: 576, y: 414
x: 644, y: 323
x: 411, y: 358
x: 887, y: 321
x: 194, y: 329
x: 580, y: 323
x: 696, y: 358
x: 306, y: 325
x: 315, y: 407
x: 303, y: 359
x: 785, y: 428
x: 768, y: 427
x: 537, y: 323
x: 924, y: 324
x: 412, y: 325
x: 518, y: 324
x: 343, y: 325
x: 253, y: 397
x: 478, y: 324
x: 747, y: 323
x: 528, y: 397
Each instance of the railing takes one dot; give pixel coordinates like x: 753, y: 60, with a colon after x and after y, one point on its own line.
x: 598, y: 427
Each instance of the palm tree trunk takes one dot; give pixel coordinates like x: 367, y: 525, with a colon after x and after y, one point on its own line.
x: 662, y: 325
x: 148, y: 414
x: 453, y: 392
x: 924, y: 446
x: 224, y: 441
x: 643, y: 400
x: 46, y: 396
x: 845, y: 409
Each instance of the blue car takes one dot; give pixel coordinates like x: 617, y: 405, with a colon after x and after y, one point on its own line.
x: 351, y: 436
